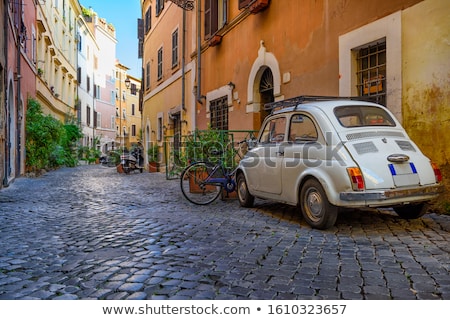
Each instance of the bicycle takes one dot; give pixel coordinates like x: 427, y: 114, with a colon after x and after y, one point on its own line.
x: 202, y: 182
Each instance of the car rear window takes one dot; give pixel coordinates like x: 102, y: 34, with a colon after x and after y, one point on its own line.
x: 363, y: 116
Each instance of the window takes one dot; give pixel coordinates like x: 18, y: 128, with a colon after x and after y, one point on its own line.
x: 88, y: 116
x: 216, y: 13
x: 159, y: 6
x: 363, y: 116
x: 160, y: 63
x: 159, y: 134
x: 113, y: 96
x: 79, y: 43
x: 148, y: 20
x: 96, y: 91
x: 113, y: 122
x: 219, y: 113
x: 302, y: 129
x: 147, y: 76
x: 88, y: 83
x: 274, y: 131
x: 133, y: 109
x: 371, y: 71
x: 175, y: 48
x: 133, y: 130
x: 98, y: 122
x: 133, y: 89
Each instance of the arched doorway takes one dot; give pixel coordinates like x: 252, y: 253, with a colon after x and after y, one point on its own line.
x: 264, y: 85
x: 265, y: 91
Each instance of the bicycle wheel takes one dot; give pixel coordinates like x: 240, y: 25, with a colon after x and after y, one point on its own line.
x: 194, y: 184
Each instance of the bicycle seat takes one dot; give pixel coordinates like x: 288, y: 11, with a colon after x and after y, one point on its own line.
x: 216, y: 152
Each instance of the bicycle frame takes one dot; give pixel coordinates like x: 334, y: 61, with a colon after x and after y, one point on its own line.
x: 227, y: 181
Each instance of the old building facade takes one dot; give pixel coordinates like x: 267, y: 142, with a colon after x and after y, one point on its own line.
x: 18, y: 71
x: 236, y: 55
x: 56, y: 84
x: 128, y: 113
x: 100, y: 81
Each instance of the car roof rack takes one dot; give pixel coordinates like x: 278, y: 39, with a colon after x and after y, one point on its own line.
x: 293, y: 102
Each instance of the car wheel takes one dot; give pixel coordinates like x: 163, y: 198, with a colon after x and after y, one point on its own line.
x: 412, y: 211
x: 315, y: 207
x: 245, y: 198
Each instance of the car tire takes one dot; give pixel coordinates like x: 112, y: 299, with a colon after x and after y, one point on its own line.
x: 411, y: 211
x: 318, y: 212
x: 245, y: 198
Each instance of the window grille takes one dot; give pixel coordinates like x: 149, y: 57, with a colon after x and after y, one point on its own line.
x: 219, y: 113
x: 371, y: 72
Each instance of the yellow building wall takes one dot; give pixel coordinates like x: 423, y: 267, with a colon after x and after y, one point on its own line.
x: 426, y: 77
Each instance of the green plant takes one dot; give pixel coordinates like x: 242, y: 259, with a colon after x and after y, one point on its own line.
x: 202, y: 144
x: 49, y: 143
x: 152, y: 153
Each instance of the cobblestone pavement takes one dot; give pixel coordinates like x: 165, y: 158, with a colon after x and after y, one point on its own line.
x: 92, y: 233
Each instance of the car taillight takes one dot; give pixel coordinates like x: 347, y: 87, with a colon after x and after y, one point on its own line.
x: 356, y: 178
x: 437, y: 172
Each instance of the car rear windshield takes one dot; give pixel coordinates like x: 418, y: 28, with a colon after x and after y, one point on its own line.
x: 363, y: 116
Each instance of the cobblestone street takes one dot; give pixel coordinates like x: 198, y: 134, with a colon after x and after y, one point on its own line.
x: 92, y: 233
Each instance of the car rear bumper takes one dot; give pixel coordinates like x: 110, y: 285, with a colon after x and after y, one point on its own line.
x: 392, y: 196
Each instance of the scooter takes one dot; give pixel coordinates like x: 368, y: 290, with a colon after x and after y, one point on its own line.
x: 132, y: 161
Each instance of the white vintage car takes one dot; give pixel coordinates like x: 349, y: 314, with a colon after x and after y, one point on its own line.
x: 325, y: 153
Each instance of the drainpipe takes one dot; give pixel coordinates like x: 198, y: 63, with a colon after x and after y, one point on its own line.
x: 183, y: 62
x: 19, y: 92
x: 199, y: 52
x: 5, y: 81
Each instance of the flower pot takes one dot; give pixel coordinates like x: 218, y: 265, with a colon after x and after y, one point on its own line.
x: 195, y: 188
x: 153, y: 166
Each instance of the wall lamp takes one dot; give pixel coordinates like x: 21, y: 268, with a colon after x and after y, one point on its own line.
x: 231, y: 85
x: 127, y: 83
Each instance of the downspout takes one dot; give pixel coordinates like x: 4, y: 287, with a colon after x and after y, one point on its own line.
x: 183, y: 62
x: 5, y: 81
x: 19, y: 92
x: 199, y: 52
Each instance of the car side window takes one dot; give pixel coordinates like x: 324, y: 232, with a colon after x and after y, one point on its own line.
x: 302, y: 129
x: 274, y: 131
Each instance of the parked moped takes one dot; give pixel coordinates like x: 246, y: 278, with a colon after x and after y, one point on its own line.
x: 133, y: 160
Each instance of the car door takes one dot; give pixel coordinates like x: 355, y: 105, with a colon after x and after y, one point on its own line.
x: 264, y: 173
x: 301, y: 151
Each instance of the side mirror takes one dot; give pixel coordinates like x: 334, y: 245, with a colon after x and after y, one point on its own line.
x: 252, y: 143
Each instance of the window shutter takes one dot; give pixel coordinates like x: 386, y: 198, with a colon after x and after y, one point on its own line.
x: 208, y: 32
x: 140, y: 29
x: 211, y: 17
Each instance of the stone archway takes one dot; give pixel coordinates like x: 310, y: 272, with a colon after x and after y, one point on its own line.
x: 264, y: 84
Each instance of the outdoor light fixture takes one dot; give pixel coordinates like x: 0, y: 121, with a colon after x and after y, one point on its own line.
x: 127, y: 83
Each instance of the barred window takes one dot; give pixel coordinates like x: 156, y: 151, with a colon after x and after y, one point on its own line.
x: 371, y: 72
x: 219, y: 113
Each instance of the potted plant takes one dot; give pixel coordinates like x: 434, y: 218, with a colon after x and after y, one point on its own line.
x: 152, y: 152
